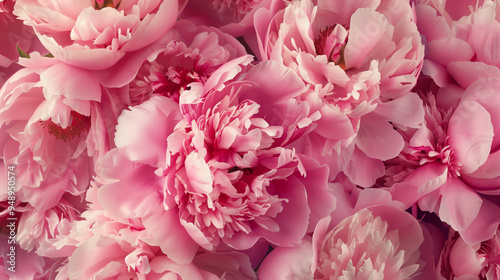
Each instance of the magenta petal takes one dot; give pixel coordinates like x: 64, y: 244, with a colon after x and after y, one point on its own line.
x: 470, y: 135
x: 171, y: 236
x: 459, y: 205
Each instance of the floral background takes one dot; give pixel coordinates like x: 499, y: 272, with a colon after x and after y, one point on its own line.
x: 250, y: 139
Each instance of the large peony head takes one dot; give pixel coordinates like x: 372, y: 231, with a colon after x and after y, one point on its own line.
x: 96, y: 34
x: 226, y: 180
x: 460, y: 260
x: 374, y: 243
x: 349, y: 52
x: 378, y: 242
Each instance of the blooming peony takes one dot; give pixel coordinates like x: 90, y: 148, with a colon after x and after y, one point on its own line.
x: 379, y: 242
x: 96, y: 34
x: 478, y: 261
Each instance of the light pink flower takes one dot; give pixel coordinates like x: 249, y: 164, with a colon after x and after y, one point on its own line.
x: 379, y: 242
x: 96, y: 34
x: 360, y: 60
x: 441, y: 166
x: 186, y: 54
x: 457, y: 34
x: 478, y: 261
x: 13, y: 33
x: 228, y: 180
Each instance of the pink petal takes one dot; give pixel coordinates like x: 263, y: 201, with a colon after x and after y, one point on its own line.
x: 70, y: 82
x: 362, y: 170
x: 407, y: 110
x: 287, y: 263
x: 171, y: 236
x: 484, y: 226
x: 422, y: 181
x: 369, y: 32
x: 459, y: 205
x: 142, y: 131
x: 470, y: 135
x: 137, y: 191
x: 446, y: 50
x: 377, y: 138
x: 485, y: 92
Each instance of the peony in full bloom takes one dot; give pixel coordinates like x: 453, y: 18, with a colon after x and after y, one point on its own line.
x: 379, y: 242
x: 359, y: 60
x: 221, y: 179
x: 478, y: 261
x: 186, y: 54
x: 447, y: 164
x: 97, y: 34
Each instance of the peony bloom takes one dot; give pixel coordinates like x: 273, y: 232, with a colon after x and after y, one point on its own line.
x: 478, y: 261
x: 51, y: 124
x: 127, y: 248
x: 96, y: 34
x: 447, y: 164
x: 222, y: 179
x: 359, y: 60
x: 379, y: 242
x: 13, y: 33
x: 461, y: 38
x: 186, y: 54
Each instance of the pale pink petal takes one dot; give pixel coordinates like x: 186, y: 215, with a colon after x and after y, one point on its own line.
x: 139, y: 140
x: 171, y: 236
x: 470, y: 135
x: 287, y: 263
x: 369, y: 32
x: 377, y: 138
x: 459, y: 205
x: 363, y: 170
x: 136, y: 192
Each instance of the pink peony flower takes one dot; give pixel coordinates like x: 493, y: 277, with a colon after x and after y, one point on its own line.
x: 447, y: 164
x: 478, y: 261
x: 379, y: 242
x: 222, y: 178
x: 13, y: 33
x: 97, y: 34
x: 458, y: 36
x: 187, y: 54
x: 360, y: 60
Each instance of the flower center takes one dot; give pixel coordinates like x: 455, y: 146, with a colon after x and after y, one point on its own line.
x: 99, y: 4
x: 79, y: 123
x: 331, y: 42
